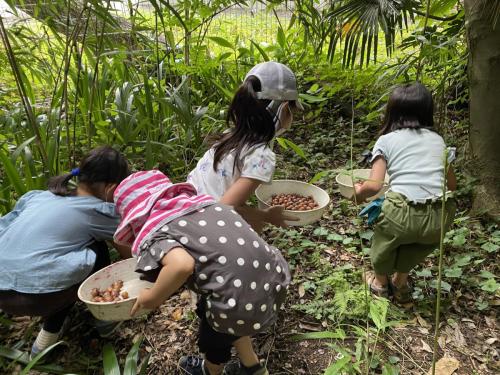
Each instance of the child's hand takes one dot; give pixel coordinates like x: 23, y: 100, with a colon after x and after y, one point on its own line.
x: 276, y: 216
x: 146, y: 300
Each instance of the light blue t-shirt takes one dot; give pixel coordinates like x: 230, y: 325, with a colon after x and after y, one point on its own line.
x: 415, y: 162
x: 44, y: 241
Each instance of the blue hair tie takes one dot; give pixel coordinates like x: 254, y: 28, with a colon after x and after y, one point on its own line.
x: 75, y: 172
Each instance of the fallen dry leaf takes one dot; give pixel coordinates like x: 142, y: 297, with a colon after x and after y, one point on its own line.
x: 422, y: 321
x: 302, y: 290
x: 177, y: 314
x: 186, y: 295
x: 445, y: 366
x: 426, y: 347
x: 491, y: 340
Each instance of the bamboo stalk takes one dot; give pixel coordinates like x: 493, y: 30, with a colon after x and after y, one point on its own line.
x: 22, y: 93
x: 440, y: 264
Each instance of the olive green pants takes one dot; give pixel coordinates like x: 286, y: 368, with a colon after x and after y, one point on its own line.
x: 406, y: 233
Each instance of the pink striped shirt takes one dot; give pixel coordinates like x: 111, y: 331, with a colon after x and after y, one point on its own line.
x: 148, y: 200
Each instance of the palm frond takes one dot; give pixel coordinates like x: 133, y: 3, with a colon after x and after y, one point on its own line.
x: 362, y: 20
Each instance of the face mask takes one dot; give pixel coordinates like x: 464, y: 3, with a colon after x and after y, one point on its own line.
x: 275, y: 107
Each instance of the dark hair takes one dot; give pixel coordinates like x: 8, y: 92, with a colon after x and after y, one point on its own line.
x: 410, y: 106
x: 102, y: 164
x: 253, y: 124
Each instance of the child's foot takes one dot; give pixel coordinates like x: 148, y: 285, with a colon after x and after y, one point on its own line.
x: 193, y: 365
x: 236, y: 368
x: 375, y: 287
x: 44, y: 339
x: 401, y: 294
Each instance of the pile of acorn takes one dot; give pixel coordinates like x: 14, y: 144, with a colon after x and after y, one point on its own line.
x: 294, y: 202
x: 111, y: 294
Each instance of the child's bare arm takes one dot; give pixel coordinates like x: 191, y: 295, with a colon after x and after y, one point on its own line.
x: 451, y: 180
x: 373, y: 185
x: 178, y: 265
x: 124, y: 250
x: 240, y: 191
x: 238, y: 194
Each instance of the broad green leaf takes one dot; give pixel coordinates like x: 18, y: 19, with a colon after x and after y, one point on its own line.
x: 338, y: 334
x: 281, y: 38
x: 311, y: 98
x: 221, y: 41
x: 490, y: 247
x: 320, y: 231
x: 131, y: 360
x: 486, y: 274
x: 490, y: 285
x: 424, y: 273
x: 453, y: 272
x: 12, y: 173
x: 335, y: 237
x: 338, y: 365
x: 109, y: 360
x: 261, y: 50
x: 38, y: 357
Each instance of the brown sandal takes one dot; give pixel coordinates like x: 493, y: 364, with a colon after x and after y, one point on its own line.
x: 402, y: 294
x: 369, y: 278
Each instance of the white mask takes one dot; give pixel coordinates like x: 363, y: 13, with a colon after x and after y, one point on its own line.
x: 275, y: 107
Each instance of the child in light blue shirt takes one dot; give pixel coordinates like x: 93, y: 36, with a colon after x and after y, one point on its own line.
x: 54, y: 239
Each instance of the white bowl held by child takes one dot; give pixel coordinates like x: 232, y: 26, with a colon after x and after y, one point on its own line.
x: 265, y: 192
x: 102, y: 279
x: 345, y: 182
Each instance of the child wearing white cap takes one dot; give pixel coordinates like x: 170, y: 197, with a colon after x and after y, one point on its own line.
x: 242, y: 159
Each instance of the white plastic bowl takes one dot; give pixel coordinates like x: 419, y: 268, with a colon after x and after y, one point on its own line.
x: 102, y: 279
x: 346, y: 188
x: 265, y: 192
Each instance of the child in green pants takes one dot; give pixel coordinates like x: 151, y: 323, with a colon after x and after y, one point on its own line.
x: 409, y: 226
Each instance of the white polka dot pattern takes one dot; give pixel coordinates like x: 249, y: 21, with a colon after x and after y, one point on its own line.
x: 228, y: 257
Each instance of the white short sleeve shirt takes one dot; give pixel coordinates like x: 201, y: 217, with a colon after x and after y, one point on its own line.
x: 257, y: 162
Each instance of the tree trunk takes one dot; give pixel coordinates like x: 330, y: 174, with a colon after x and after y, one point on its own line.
x: 484, y: 85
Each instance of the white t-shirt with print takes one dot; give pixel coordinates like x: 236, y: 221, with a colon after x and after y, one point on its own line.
x: 257, y: 162
x: 415, y: 162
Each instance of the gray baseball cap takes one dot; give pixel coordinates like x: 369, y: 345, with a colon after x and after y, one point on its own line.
x: 277, y: 82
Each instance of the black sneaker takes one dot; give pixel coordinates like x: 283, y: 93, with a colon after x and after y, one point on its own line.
x: 192, y: 365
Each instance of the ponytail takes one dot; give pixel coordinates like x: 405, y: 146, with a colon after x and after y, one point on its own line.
x: 101, y: 165
x: 253, y: 124
x: 58, y: 185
